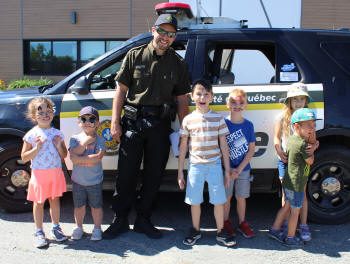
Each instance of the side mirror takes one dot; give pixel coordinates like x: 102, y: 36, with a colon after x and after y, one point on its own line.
x: 80, y: 86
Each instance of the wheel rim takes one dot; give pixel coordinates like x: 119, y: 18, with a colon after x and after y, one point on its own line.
x: 14, y: 178
x: 329, y: 187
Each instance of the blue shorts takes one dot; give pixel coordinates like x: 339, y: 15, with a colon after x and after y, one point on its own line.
x: 198, y: 174
x: 83, y: 194
x: 241, y: 185
x: 294, y: 198
x: 282, y: 167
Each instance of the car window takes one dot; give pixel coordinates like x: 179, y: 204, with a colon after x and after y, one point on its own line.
x: 240, y: 64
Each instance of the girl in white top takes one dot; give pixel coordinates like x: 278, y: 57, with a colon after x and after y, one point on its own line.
x: 297, y: 97
x: 43, y: 145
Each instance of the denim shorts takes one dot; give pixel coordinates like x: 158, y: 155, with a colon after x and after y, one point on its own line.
x: 198, y: 174
x: 282, y: 167
x: 83, y: 194
x: 294, y: 198
x: 241, y: 184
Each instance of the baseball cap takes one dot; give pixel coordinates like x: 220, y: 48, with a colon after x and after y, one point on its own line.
x: 166, y: 19
x: 303, y: 114
x: 89, y: 110
x: 297, y: 89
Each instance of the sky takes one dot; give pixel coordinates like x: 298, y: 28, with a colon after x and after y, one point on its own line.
x: 282, y: 13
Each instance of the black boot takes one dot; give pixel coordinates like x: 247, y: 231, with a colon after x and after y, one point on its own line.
x: 144, y: 225
x: 119, y: 225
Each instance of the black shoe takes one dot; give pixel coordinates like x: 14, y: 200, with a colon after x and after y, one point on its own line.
x: 119, y: 226
x: 144, y: 225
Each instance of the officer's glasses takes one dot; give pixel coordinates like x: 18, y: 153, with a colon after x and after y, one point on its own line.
x: 163, y: 32
x: 91, y: 120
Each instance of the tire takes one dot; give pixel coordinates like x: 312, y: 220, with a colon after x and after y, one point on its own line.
x: 328, y: 187
x: 14, y: 178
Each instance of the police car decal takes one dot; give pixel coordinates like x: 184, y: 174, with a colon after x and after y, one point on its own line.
x: 263, y: 107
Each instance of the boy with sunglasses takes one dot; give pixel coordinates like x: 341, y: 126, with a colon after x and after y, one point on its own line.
x: 241, y: 143
x: 86, y: 150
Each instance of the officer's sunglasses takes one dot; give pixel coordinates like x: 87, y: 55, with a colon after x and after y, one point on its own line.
x: 163, y: 32
x: 84, y: 119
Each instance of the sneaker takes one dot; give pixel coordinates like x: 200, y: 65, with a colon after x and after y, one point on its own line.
x: 277, y: 235
x: 225, y: 239
x: 57, y: 234
x: 304, y: 232
x: 145, y: 226
x: 39, y: 239
x: 118, y: 226
x: 284, y: 227
x: 292, y: 242
x: 245, y: 230
x: 193, y: 236
x: 229, y: 227
x: 96, y: 234
x: 77, y: 234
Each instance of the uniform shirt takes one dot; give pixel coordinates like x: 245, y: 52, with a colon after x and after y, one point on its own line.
x: 87, y: 175
x: 48, y: 156
x: 204, y: 131
x: 298, y: 170
x: 153, y: 80
x: 241, y: 135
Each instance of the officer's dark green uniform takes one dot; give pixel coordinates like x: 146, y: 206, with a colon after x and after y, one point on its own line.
x: 153, y: 81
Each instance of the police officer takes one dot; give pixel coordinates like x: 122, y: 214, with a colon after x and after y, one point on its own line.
x: 153, y: 81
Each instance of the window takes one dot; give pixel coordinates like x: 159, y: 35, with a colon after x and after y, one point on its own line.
x: 240, y: 64
x: 62, y: 57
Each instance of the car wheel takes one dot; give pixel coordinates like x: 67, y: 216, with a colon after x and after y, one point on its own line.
x: 14, y: 178
x: 328, y: 187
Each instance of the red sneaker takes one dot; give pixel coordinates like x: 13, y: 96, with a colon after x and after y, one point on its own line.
x: 228, y: 227
x: 245, y: 229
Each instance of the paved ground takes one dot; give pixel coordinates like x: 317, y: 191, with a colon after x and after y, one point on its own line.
x: 329, y: 244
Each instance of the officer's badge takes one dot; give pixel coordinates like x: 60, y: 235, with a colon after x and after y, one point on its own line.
x: 104, y: 130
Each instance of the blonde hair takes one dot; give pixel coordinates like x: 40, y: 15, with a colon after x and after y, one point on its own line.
x: 286, y: 116
x: 236, y: 92
x: 32, y: 108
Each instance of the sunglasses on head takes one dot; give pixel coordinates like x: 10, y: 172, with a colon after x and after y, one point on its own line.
x: 43, y: 113
x: 163, y: 32
x: 91, y: 119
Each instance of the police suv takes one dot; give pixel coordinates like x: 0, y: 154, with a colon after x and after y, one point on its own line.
x: 213, y: 48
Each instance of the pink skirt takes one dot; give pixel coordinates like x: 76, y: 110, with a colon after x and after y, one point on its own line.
x: 44, y: 184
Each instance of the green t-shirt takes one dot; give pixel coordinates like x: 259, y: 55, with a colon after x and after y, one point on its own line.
x: 298, y: 170
x: 153, y: 80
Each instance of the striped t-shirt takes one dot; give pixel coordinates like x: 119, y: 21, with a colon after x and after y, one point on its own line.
x: 203, y: 131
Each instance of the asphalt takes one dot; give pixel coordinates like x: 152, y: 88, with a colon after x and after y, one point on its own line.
x: 330, y: 243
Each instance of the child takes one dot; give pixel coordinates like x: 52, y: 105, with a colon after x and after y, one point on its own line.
x: 295, y: 178
x: 86, y: 150
x: 297, y: 97
x: 241, y: 142
x: 205, y: 131
x: 43, y: 145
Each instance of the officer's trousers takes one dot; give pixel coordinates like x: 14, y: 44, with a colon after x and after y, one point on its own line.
x: 153, y: 145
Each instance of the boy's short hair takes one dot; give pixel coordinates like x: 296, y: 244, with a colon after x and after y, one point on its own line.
x: 89, y: 110
x: 237, y: 93
x: 205, y: 83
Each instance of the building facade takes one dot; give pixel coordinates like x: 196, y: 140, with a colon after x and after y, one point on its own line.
x: 53, y: 38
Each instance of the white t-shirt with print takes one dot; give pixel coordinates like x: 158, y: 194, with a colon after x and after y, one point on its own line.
x: 48, y: 156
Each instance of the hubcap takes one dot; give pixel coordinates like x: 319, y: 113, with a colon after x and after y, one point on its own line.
x: 330, y: 186
x: 20, y: 178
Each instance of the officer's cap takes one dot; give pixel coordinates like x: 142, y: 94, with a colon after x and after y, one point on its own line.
x: 166, y: 19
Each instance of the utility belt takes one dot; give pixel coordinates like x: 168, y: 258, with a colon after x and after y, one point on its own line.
x: 138, y: 119
x: 165, y: 111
